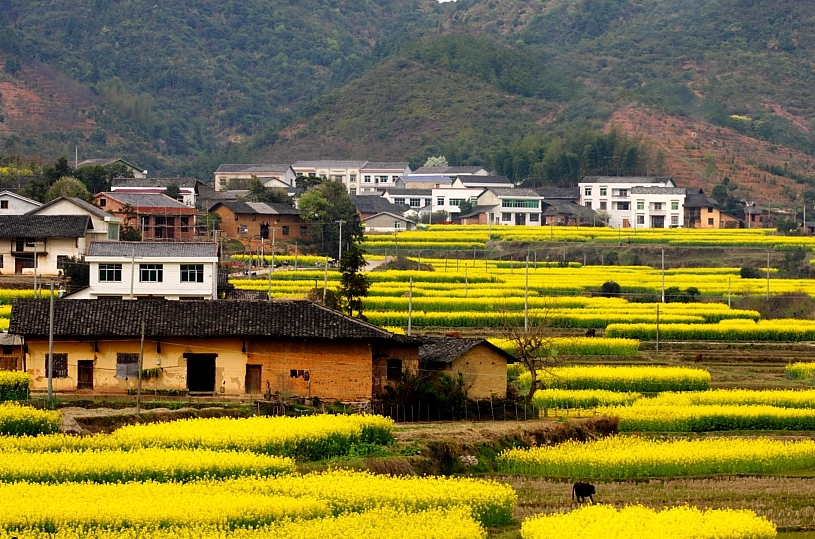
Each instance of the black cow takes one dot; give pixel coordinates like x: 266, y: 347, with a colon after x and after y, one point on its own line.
x: 591, y: 332
x: 583, y: 491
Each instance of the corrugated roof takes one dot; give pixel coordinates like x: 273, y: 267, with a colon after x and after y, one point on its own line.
x: 153, y: 249
x: 44, y: 226
x: 658, y: 191
x: 253, y: 168
x: 80, y: 318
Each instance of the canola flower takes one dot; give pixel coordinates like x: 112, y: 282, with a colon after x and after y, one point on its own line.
x: 582, y: 398
x: 583, y: 346
x: 780, y: 398
x: 638, y: 379
x: 778, y: 330
x: 637, y: 522
x: 800, y: 371
x: 381, y: 523
x: 625, y: 458
x: 155, y: 464
x: 644, y: 416
x: 19, y: 420
x: 14, y: 385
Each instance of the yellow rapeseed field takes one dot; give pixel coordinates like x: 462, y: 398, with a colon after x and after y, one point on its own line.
x: 640, y: 379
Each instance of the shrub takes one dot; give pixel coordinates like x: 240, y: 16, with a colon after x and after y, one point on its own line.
x: 610, y: 289
x: 16, y: 420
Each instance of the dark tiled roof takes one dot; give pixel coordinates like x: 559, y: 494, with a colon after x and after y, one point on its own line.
x: 566, y: 193
x: 81, y: 318
x: 517, y: 192
x: 446, y: 349
x: 477, y: 210
x: 153, y: 250
x: 258, y: 208
x: 437, y: 179
x: 330, y: 164
x: 448, y: 170
x: 627, y: 179
x: 135, y: 183
x: 105, y: 162
x: 385, y: 166
x: 82, y: 204
x: 251, y: 169
x: 562, y: 207
x: 696, y: 198
x: 146, y: 200
x: 404, y: 192
x: 377, y: 204
x: 44, y: 226
x: 495, y: 180
x: 658, y: 191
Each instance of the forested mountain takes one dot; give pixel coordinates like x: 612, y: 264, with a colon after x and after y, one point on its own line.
x: 701, y: 89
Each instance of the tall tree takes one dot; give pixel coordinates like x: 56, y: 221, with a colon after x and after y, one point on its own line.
x: 353, y: 283
x: 68, y: 187
x: 325, y: 206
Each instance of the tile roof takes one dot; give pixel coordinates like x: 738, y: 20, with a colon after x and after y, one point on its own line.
x: 564, y: 207
x: 330, y: 164
x: 477, y: 210
x: 105, y: 162
x: 377, y: 204
x: 146, y: 200
x: 437, y: 179
x: 447, y: 349
x: 417, y: 192
x: 258, y: 208
x: 497, y: 180
x: 448, y: 170
x: 82, y: 204
x: 696, y: 198
x: 559, y: 192
x: 153, y: 249
x: 254, y: 168
x: 658, y: 191
x: 44, y: 226
x: 81, y: 318
x: 626, y: 179
x: 386, y: 166
x: 516, y: 191
x: 134, y: 183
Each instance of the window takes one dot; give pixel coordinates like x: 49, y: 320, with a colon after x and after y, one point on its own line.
x: 185, y: 224
x: 603, y: 205
x: 353, y: 191
x: 623, y: 193
x: 506, y: 217
x: 588, y: 203
x: 151, y: 273
x: 640, y: 204
x: 709, y: 209
x: 603, y: 191
x: 4, y: 204
x: 337, y: 177
x: 534, y: 217
x: 674, y: 205
x: 8, y: 350
x: 394, y: 369
x: 113, y: 231
x: 399, y: 200
x: 303, y: 230
x: 60, y: 365
x: 394, y: 178
x: 397, y: 225
x: 415, y: 202
x: 710, y: 221
x: 640, y: 219
x: 192, y: 273
x: 127, y: 365
x: 103, y: 202
x: 244, y: 229
x: 110, y: 273
x: 352, y: 178
x: 513, y: 203
x: 456, y: 201
x: 440, y: 201
x: 674, y: 220
x: 285, y: 230
x: 624, y: 206
x: 428, y: 201
x: 587, y: 191
x: 61, y: 261
x: 367, y: 178
x: 1, y: 261
x: 658, y: 206
x: 382, y: 179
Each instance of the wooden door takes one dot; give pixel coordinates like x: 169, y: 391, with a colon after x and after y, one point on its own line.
x: 84, y: 374
x: 253, y: 374
x: 201, y: 372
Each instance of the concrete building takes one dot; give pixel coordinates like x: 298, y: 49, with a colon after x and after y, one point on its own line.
x: 40, y: 244
x: 14, y: 204
x: 157, y: 216
x: 104, y: 226
x: 238, y: 176
x: 516, y: 206
x: 656, y: 207
x: 376, y: 176
x: 610, y: 196
x: 346, y: 172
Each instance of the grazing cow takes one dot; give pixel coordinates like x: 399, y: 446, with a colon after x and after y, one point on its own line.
x: 591, y: 332
x: 583, y: 491
x: 698, y: 358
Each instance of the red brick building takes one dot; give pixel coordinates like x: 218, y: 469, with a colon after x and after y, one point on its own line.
x: 253, y: 221
x: 156, y: 216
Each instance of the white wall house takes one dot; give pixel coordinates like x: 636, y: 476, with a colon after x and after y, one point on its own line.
x: 41, y: 243
x: 14, y: 204
x: 658, y: 207
x: 154, y: 270
x: 449, y: 199
x: 483, y: 181
x: 376, y: 176
x: 512, y: 206
x: 103, y: 227
x: 612, y: 195
x: 451, y: 171
x: 270, y: 174
x: 419, y: 200
x: 346, y: 172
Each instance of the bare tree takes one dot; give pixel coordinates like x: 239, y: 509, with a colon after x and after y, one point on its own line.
x: 533, y: 345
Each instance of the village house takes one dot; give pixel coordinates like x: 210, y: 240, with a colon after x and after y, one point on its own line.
x: 237, y: 176
x: 12, y: 351
x: 560, y: 212
x: 137, y: 172
x: 157, y: 216
x: 104, y: 226
x: 475, y: 180
x: 381, y: 175
x: 481, y: 365
x: 450, y: 199
x: 40, y: 244
x: 701, y: 211
x: 451, y: 171
x: 368, y: 206
x: 187, y: 187
x: 256, y: 221
x: 654, y: 207
x: 612, y: 195
x: 346, y: 172
x: 512, y: 206
x: 387, y: 222
x: 14, y: 204
x: 131, y: 270
x: 418, y: 200
x: 221, y: 347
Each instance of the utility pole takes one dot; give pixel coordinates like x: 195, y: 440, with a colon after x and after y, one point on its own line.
x: 325, y: 280
x: 410, y: 306
x: 657, y: 328
x: 663, y: 275
x: 526, y: 296
x: 141, y: 366
x: 36, y: 293
x: 51, y: 348
x: 132, y: 270
x: 768, y: 275
x: 728, y: 291
x: 340, y: 255
x: 270, y: 273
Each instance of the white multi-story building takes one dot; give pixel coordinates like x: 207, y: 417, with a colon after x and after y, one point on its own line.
x: 658, y: 207
x: 378, y: 176
x: 359, y: 177
x: 611, y: 196
x: 449, y: 199
x: 239, y: 175
x: 151, y: 270
x: 504, y: 206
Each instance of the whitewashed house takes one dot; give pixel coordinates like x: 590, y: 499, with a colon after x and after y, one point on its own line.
x: 610, y: 196
x: 14, y: 204
x: 658, y: 207
x: 40, y: 244
x: 376, y: 176
x: 346, y: 172
x: 269, y: 174
x: 104, y: 226
x: 124, y: 270
x: 449, y: 199
x: 504, y: 206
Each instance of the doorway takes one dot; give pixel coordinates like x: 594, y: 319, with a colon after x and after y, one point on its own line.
x: 520, y: 219
x: 658, y: 221
x: 252, y: 384
x: 201, y: 372
x: 84, y: 374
